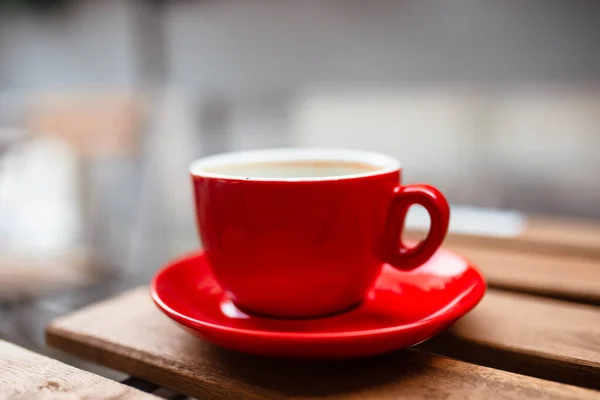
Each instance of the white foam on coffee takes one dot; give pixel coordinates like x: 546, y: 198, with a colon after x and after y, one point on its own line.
x: 270, y: 165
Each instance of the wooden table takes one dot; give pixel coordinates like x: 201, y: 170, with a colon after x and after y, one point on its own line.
x: 536, y: 334
x: 27, y: 375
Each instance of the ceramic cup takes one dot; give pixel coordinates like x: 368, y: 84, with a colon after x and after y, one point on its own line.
x: 302, y: 233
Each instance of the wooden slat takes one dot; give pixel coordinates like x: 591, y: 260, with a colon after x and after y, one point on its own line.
x: 563, y: 277
x: 563, y: 231
x: 128, y: 333
x: 548, y: 235
x: 27, y: 375
x: 546, y: 338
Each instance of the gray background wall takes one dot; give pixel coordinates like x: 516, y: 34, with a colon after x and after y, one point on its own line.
x: 507, y: 92
x: 234, y: 44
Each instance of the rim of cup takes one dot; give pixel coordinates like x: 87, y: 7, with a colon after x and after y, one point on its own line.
x: 209, y: 167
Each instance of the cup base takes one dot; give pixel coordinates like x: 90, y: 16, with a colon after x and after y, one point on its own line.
x: 293, y: 318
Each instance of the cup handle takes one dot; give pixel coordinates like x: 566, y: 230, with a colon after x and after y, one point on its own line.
x: 396, y: 253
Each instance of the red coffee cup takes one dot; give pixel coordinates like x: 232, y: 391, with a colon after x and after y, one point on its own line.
x: 302, y: 233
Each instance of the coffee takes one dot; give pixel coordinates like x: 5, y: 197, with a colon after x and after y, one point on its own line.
x: 295, y: 169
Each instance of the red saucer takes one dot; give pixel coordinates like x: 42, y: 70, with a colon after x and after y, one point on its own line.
x: 402, y: 310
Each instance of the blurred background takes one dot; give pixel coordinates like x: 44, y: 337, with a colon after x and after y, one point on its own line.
x: 103, y: 104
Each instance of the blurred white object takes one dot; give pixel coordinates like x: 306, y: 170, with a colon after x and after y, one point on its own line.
x: 473, y: 221
x: 38, y: 197
x: 40, y: 222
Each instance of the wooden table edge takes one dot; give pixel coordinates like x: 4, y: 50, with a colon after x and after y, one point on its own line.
x: 25, y: 373
x: 92, y: 348
x: 63, y: 340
